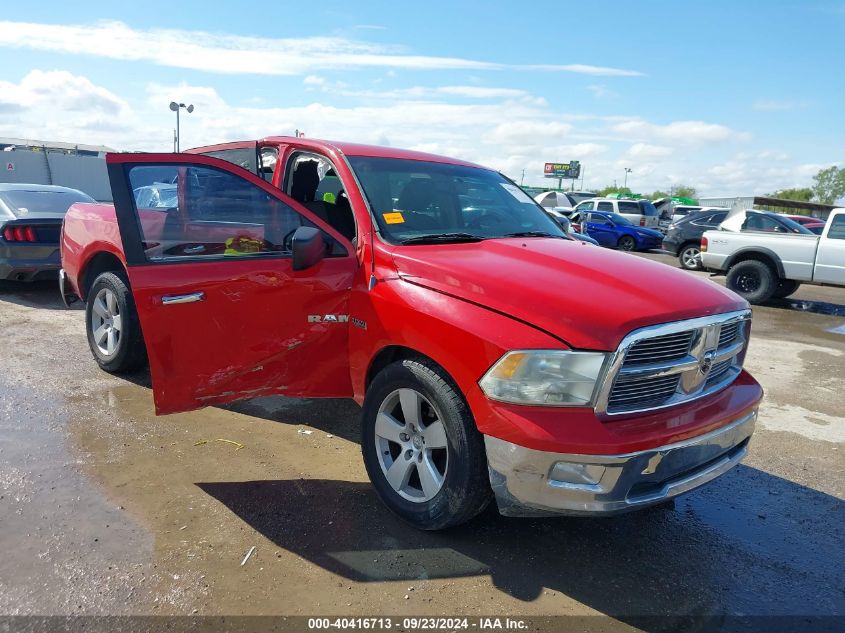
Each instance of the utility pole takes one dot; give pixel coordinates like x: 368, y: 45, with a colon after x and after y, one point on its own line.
x: 628, y: 170
x: 522, y: 180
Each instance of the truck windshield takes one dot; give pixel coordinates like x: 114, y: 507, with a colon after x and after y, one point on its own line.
x: 414, y: 200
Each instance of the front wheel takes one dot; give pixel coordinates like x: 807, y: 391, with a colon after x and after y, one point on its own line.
x: 627, y: 243
x: 690, y: 257
x: 114, y: 332
x: 753, y: 280
x: 421, y: 448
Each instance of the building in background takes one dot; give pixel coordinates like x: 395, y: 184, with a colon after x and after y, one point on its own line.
x: 74, y: 165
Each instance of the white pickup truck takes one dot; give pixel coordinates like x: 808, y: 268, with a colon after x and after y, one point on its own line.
x: 765, y: 255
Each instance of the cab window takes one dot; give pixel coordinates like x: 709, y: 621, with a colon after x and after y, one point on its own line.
x: 837, y: 228
x: 314, y: 183
x: 629, y: 207
x: 201, y: 212
x: 605, y: 206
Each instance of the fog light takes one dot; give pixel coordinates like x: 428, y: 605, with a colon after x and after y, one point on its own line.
x: 581, y: 474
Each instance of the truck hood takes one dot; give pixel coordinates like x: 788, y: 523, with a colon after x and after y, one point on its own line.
x: 586, y: 296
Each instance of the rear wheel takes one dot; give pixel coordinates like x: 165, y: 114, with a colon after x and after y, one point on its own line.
x: 690, y: 257
x: 753, y: 280
x: 421, y: 448
x: 786, y: 287
x: 627, y: 243
x: 114, y: 332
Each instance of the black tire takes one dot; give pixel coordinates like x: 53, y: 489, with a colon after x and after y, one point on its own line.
x: 627, y: 243
x: 688, y: 254
x: 465, y: 488
x: 753, y: 280
x: 785, y: 288
x: 129, y: 351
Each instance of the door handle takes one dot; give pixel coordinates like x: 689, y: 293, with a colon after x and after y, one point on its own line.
x: 189, y: 298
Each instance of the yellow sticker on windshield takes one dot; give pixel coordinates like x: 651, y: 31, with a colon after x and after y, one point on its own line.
x: 393, y: 218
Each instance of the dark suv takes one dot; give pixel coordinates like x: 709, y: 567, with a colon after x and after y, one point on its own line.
x: 683, y: 238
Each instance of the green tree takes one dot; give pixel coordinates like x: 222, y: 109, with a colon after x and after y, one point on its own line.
x: 613, y: 189
x: 803, y: 194
x: 684, y: 191
x: 829, y: 184
x: 658, y: 194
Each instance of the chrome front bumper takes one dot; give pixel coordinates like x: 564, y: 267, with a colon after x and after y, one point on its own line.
x: 528, y: 482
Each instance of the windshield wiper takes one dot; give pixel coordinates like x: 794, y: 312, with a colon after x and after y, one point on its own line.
x: 441, y: 238
x: 531, y: 234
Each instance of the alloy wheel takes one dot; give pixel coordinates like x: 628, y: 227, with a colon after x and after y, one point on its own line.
x: 106, y: 322
x: 411, y: 445
x: 691, y: 257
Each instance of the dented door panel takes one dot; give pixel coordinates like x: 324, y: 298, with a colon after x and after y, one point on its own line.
x: 252, y: 334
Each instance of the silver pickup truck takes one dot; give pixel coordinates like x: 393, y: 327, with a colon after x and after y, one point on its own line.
x: 766, y: 256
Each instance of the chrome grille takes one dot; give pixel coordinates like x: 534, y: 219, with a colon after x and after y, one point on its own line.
x: 659, y: 349
x: 728, y: 333
x: 639, y: 391
x: 669, y: 364
x: 718, y: 372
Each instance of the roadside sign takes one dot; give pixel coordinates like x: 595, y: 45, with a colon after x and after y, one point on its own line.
x: 572, y: 170
x: 10, y: 167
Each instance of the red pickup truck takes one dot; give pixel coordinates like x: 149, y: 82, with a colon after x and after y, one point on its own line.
x: 494, y: 357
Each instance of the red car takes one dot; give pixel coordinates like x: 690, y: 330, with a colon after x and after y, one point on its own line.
x: 805, y: 220
x: 494, y: 357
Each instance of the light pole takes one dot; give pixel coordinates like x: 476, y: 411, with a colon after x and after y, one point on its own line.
x: 628, y: 170
x: 176, y: 107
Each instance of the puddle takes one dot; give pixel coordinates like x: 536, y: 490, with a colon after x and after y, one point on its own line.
x: 66, y: 547
x: 837, y: 330
x: 816, y: 307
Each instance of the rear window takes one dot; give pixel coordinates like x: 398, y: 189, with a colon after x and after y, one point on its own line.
x: 837, y: 228
x: 25, y: 202
x: 629, y: 207
x: 648, y: 209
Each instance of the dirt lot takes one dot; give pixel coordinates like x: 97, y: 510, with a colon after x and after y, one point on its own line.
x: 107, y: 509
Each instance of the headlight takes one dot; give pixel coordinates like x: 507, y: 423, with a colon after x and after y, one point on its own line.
x: 546, y: 377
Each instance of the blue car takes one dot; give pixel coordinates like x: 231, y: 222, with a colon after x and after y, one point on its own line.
x: 614, y: 231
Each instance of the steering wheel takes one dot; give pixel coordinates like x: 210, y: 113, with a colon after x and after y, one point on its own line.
x: 490, y: 219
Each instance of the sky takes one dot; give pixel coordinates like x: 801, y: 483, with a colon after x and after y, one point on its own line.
x: 734, y: 98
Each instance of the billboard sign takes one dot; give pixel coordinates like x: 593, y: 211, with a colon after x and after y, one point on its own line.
x: 572, y: 169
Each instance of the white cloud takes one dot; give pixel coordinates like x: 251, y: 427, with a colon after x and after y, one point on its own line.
x: 499, y: 129
x: 61, y: 89
x: 225, y: 53
x: 694, y: 132
x: 644, y: 151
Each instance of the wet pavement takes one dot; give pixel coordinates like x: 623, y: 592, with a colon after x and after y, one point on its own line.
x: 107, y: 509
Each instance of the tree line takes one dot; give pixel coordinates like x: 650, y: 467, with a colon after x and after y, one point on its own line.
x: 828, y: 187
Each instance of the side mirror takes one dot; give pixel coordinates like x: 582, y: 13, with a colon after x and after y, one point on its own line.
x: 308, y: 247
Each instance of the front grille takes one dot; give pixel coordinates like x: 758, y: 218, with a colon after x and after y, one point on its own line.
x: 728, y: 333
x: 666, y: 365
x: 660, y: 349
x: 718, y: 372
x: 643, y: 392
